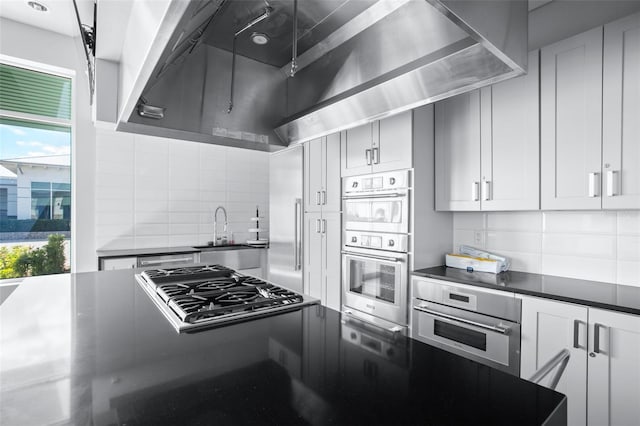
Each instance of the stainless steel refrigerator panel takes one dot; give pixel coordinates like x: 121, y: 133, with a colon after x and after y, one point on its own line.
x: 285, y: 218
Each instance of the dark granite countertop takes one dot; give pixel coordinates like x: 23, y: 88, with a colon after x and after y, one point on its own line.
x: 168, y: 250
x: 614, y: 297
x: 92, y: 348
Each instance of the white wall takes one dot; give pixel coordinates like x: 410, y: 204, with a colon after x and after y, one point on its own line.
x: 33, y: 46
x: 591, y: 245
x: 157, y: 192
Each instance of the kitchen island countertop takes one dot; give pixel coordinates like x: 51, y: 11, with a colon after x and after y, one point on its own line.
x: 92, y: 348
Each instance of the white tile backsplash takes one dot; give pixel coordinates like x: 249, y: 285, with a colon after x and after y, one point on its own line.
x: 592, y: 245
x: 155, y: 192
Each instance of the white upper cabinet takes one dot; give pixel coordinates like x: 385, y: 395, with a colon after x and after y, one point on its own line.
x: 392, y: 150
x: 510, y: 142
x: 621, y: 115
x: 571, y: 122
x: 356, y: 150
x: 379, y: 146
x: 457, y: 124
x: 322, y: 174
x: 487, y: 146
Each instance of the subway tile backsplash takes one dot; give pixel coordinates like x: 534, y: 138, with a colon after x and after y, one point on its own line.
x: 157, y: 192
x: 592, y: 245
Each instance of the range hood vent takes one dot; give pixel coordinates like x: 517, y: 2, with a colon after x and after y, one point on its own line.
x: 357, y: 61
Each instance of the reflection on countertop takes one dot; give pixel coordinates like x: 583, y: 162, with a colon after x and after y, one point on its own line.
x: 91, y: 348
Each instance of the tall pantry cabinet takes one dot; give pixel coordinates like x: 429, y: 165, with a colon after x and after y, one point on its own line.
x: 322, y: 235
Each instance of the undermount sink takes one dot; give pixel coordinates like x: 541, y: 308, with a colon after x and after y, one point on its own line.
x: 221, y: 247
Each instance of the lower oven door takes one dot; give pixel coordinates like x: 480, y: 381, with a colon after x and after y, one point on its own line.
x: 376, y: 284
x: 487, y: 340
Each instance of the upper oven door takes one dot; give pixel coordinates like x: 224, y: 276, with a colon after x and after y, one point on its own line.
x: 387, y: 212
x: 376, y: 284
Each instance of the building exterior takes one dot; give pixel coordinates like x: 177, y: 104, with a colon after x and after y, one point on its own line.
x: 35, y: 188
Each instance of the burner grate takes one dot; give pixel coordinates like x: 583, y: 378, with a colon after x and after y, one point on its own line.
x: 159, y: 276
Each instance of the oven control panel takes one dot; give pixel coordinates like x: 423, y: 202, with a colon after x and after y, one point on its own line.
x: 379, y: 241
x: 378, y: 182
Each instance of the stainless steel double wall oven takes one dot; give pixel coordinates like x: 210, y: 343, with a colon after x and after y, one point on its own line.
x: 375, y: 256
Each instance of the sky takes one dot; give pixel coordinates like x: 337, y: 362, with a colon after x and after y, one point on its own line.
x: 18, y: 141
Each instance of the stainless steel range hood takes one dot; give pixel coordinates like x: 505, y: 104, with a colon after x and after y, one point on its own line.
x: 358, y: 60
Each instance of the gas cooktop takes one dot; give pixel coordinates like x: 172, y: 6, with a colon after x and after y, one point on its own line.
x: 198, y: 297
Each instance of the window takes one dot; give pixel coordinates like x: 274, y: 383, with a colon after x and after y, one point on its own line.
x: 35, y: 171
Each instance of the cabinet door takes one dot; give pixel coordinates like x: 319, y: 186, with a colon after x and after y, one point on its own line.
x: 571, y: 122
x: 332, y: 288
x: 393, y: 149
x: 331, y: 170
x: 510, y: 143
x: 313, y: 174
x: 458, y: 152
x: 313, y: 255
x: 547, y: 328
x: 118, y: 263
x: 620, y: 114
x: 356, y: 150
x: 614, y: 368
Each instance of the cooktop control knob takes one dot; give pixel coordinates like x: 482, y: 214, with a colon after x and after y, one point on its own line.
x: 392, y: 181
x: 353, y: 336
x: 391, y: 243
x: 354, y: 184
x: 354, y: 239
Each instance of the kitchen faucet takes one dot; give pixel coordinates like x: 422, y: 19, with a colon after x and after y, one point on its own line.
x: 223, y: 239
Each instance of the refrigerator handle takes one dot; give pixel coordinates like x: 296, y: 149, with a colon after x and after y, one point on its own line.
x: 297, y: 263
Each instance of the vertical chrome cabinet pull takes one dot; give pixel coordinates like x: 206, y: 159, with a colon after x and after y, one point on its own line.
x: 297, y: 249
x: 367, y: 153
x: 486, y: 196
x: 474, y: 191
x: 576, y: 334
x: 612, y: 183
x: 376, y: 156
x: 596, y: 337
x: 594, y: 185
x: 317, y: 226
x: 317, y: 198
x: 324, y: 226
x: 324, y: 198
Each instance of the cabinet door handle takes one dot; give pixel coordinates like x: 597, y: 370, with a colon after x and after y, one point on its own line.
x: 594, y: 185
x: 367, y: 153
x: 376, y: 156
x: 324, y: 226
x: 596, y: 337
x: 576, y: 334
x: 324, y: 198
x: 486, y: 190
x: 612, y: 183
x: 317, y: 226
x: 317, y: 198
x: 474, y: 191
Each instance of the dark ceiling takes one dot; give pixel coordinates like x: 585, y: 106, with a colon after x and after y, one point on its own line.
x: 316, y: 20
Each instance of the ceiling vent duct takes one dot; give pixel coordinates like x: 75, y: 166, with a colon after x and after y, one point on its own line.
x: 355, y: 61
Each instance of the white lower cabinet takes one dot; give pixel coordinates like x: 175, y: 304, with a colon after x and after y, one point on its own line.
x: 322, y: 257
x: 547, y: 328
x: 108, y: 264
x: 602, y: 377
x: 614, y: 369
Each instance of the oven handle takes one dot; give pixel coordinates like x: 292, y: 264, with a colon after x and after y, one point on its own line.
x: 501, y: 330
x: 372, y: 196
x: 377, y: 257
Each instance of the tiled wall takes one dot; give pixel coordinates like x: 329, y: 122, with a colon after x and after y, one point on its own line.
x: 592, y: 245
x: 156, y: 192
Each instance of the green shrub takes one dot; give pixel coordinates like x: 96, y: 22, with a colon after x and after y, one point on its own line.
x: 24, y: 261
x: 9, y: 261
